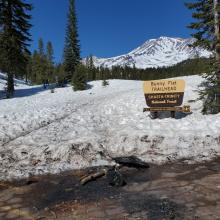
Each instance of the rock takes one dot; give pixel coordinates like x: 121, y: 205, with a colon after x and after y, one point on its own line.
x: 131, y: 161
x: 115, y: 178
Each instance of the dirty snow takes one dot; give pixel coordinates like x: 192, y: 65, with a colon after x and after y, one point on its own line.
x: 43, y: 132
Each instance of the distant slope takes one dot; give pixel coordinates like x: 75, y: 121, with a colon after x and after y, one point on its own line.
x: 164, y: 51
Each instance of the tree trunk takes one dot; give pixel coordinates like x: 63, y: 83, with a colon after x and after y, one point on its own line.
x: 10, y: 86
x: 217, y: 33
x: 217, y: 50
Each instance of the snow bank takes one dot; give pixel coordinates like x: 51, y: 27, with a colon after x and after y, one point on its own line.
x: 41, y: 132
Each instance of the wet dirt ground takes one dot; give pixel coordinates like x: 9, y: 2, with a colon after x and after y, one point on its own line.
x: 171, y: 191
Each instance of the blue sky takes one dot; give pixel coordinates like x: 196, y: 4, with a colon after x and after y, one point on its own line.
x: 109, y: 27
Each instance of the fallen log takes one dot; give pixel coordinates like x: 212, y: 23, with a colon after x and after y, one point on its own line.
x: 114, y: 177
x: 93, y: 176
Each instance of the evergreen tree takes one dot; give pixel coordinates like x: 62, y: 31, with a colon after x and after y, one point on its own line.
x: 91, y: 62
x: 87, y: 62
x: 14, y: 38
x: 40, y: 67
x: 41, y: 62
x: 1, y: 54
x: 79, y: 78
x: 50, y: 62
x: 187, y: 67
x: 206, y: 26
x: 33, y: 67
x: 104, y: 75
x: 71, y: 48
x: 60, y: 75
x: 41, y: 47
x: 91, y: 69
x: 28, y: 69
x: 50, y: 52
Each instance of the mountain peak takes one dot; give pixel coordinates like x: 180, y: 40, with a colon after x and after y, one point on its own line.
x: 163, y: 51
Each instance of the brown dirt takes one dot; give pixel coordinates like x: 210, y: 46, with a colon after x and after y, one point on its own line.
x: 171, y: 191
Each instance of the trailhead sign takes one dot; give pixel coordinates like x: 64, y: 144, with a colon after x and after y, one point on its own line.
x: 164, y: 93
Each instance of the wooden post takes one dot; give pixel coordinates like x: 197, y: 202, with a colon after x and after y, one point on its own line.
x: 155, y: 115
x: 173, y: 114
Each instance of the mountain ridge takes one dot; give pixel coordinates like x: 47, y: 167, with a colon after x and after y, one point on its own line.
x: 154, y: 53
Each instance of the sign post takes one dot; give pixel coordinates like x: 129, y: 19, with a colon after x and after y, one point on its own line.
x: 165, y: 95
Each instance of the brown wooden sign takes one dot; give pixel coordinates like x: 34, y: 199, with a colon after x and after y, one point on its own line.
x: 164, y: 93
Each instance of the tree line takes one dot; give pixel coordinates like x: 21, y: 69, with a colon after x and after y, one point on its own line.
x: 41, y: 68
x: 38, y: 67
x: 188, y: 67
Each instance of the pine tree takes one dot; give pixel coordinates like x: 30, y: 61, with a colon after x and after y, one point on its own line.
x: 50, y: 61
x: 28, y: 68
x: 41, y: 68
x: 71, y: 48
x: 104, y: 75
x: 41, y: 61
x: 206, y: 26
x: 91, y: 62
x: 33, y: 67
x: 14, y: 38
x: 41, y: 47
x: 60, y: 75
x: 79, y: 78
x: 87, y: 62
x: 91, y: 68
x: 1, y: 54
x: 50, y: 52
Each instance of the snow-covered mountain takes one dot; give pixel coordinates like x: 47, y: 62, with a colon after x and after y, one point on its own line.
x: 164, y: 51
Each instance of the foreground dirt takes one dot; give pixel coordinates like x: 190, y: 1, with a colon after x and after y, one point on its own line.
x: 172, y: 191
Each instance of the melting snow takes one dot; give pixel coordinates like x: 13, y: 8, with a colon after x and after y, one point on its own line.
x: 44, y: 132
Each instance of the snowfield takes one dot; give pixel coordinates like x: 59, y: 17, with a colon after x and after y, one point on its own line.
x: 43, y: 132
